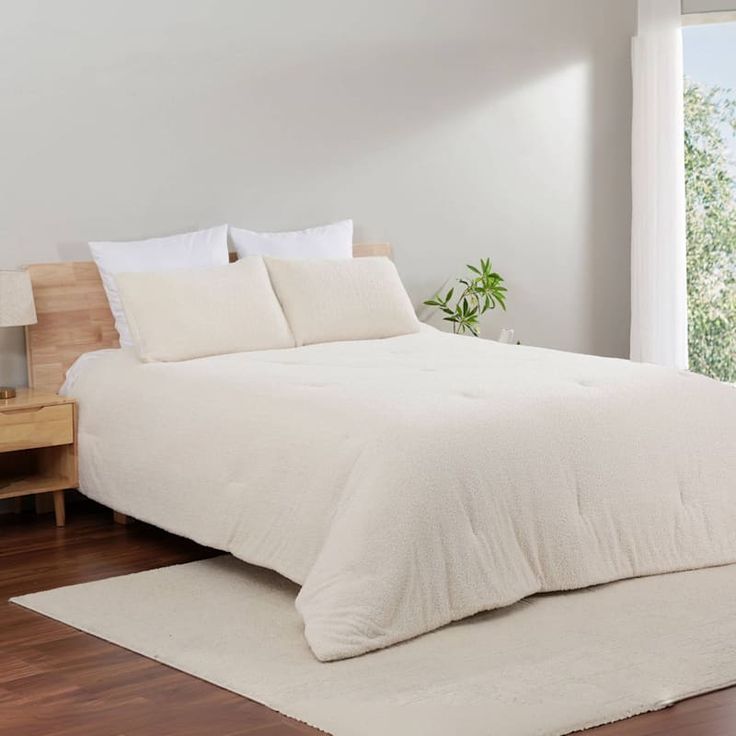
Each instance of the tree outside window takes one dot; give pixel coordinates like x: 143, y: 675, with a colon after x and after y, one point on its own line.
x: 710, y: 165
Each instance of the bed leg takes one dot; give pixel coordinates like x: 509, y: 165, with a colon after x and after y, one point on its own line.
x: 119, y: 518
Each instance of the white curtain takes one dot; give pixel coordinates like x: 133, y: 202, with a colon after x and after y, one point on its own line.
x: 658, y: 270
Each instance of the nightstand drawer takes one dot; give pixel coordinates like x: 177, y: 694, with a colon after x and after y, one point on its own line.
x: 44, y: 426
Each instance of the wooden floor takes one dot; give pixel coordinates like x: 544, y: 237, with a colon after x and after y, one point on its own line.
x: 55, y: 681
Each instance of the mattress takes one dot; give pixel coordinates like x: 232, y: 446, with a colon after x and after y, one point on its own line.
x: 409, y: 482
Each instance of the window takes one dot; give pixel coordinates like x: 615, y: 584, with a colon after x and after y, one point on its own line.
x: 710, y: 163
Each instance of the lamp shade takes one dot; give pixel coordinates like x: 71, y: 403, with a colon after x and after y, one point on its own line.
x: 16, y: 299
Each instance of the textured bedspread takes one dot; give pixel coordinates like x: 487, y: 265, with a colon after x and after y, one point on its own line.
x: 409, y: 482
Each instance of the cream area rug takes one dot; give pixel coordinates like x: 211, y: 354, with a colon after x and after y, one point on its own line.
x: 547, y: 666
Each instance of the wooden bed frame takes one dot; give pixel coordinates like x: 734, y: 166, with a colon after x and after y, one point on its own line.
x: 74, y: 316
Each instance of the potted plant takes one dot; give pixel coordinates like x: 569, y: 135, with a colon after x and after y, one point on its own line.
x: 479, y: 292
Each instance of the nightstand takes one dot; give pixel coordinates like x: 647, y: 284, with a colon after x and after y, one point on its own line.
x: 38, y: 446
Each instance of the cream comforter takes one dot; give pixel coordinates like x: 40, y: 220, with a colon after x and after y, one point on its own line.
x: 409, y: 482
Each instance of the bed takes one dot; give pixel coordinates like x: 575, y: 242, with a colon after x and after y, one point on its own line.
x: 407, y: 482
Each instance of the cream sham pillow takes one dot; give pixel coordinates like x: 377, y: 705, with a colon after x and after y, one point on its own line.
x: 349, y: 299
x: 180, y: 315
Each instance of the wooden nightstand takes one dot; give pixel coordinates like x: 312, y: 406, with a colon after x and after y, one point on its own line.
x: 38, y: 446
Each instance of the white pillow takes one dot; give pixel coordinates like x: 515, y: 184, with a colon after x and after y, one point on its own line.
x: 356, y: 299
x: 179, y: 315
x: 201, y: 249
x: 327, y: 241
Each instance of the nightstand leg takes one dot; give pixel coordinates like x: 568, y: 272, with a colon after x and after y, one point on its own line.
x: 59, y: 509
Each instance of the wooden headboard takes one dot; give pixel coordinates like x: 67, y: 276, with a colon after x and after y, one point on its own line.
x: 74, y: 316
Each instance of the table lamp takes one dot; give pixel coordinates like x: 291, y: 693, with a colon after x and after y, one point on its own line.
x: 16, y: 308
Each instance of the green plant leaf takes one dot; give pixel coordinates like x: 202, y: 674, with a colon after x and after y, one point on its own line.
x: 481, y: 292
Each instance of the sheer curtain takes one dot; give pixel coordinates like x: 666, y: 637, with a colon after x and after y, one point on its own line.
x: 658, y: 271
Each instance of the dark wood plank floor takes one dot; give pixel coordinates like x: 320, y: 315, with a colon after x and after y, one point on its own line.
x: 55, y: 681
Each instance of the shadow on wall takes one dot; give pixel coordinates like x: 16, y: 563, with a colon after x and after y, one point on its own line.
x: 608, y: 279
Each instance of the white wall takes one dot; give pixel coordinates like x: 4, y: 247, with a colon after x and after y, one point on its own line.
x: 452, y: 129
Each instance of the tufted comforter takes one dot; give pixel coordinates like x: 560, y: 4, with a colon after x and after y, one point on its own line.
x: 409, y: 482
